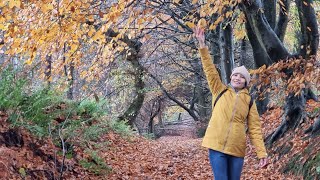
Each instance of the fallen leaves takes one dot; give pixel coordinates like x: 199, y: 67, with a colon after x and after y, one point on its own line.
x: 184, y: 158
x: 166, y: 158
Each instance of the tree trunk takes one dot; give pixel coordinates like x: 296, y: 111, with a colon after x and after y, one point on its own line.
x: 272, y: 45
x: 213, y: 37
x: 69, y: 73
x: 266, y: 37
x: 309, y: 94
x: 266, y: 45
x: 260, y: 58
x: 283, y: 19
x: 259, y: 54
x: 48, y: 70
x: 245, y: 54
x: 222, y: 45
x: 133, y: 57
x: 201, y: 103
x: 154, y: 114
x: 150, y: 126
x: 228, y: 56
x: 270, y: 12
x: 131, y: 113
x: 215, y: 49
x: 71, y: 81
x: 309, y: 28
x: 314, y: 128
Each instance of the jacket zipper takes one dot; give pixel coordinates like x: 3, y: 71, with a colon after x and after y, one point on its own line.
x: 231, y: 121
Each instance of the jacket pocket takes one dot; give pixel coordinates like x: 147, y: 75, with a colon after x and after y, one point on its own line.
x: 239, y: 135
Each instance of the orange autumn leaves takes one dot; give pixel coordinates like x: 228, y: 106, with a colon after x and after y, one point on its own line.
x: 305, y: 74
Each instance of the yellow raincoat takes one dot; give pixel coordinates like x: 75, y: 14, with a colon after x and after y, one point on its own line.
x: 226, y: 131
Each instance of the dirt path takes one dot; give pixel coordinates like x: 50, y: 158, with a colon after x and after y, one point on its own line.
x: 166, y: 158
x: 175, y: 158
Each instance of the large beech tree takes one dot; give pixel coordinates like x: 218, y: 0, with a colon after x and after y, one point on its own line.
x: 267, y: 39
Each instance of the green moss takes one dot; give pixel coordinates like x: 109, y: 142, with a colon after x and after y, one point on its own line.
x: 292, y: 165
x: 309, y: 169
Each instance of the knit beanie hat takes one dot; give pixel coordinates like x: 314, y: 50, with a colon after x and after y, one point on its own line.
x: 244, y: 72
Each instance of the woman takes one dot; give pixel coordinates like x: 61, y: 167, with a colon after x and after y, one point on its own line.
x: 226, y: 132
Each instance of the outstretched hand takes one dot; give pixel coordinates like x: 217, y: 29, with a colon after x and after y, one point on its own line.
x: 263, y: 162
x: 198, y: 33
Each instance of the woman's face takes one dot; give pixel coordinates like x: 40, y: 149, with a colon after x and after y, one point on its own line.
x: 238, y: 81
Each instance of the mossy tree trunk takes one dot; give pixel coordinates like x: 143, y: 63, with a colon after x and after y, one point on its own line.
x: 132, y: 56
x: 71, y: 78
x: 155, y: 111
x: 132, y: 111
x: 69, y: 73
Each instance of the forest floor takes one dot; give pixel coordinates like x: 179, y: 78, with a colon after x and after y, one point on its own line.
x: 171, y: 157
x: 175, y: 157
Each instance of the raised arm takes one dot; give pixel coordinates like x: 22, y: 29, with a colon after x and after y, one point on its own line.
x: 212, y: 75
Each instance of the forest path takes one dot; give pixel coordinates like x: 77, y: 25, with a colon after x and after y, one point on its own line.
x: 176, y: 157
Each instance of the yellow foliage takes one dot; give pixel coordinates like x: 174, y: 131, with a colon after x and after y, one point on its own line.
x: 44, y: 27
x: 190, y: 24
x: 14, y: 3
x: 229, y: 14
x: 202, y: 23
x: 3, y: 27
x: 91, y: 31
x: 239, y: 33
x: 3, y: 3
x: 140, y: 21
x: 83, y: 74
x: 99, y: 37
x: 114, y: 15
x: 213, y: 26
x: 50, y: 79
x: 74, y: 47
x: 29, y: 61
x: 46, y: 7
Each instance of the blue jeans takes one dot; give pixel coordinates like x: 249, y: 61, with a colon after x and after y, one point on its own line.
x: 224, y: 166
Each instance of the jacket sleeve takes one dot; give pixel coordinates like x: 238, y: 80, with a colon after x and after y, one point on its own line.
x: 255, y: 134
x: 212, y: 75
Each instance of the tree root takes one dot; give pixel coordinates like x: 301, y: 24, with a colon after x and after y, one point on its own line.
x: 294, y: 115
x: 314, y: 128
x: 309, y: 94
